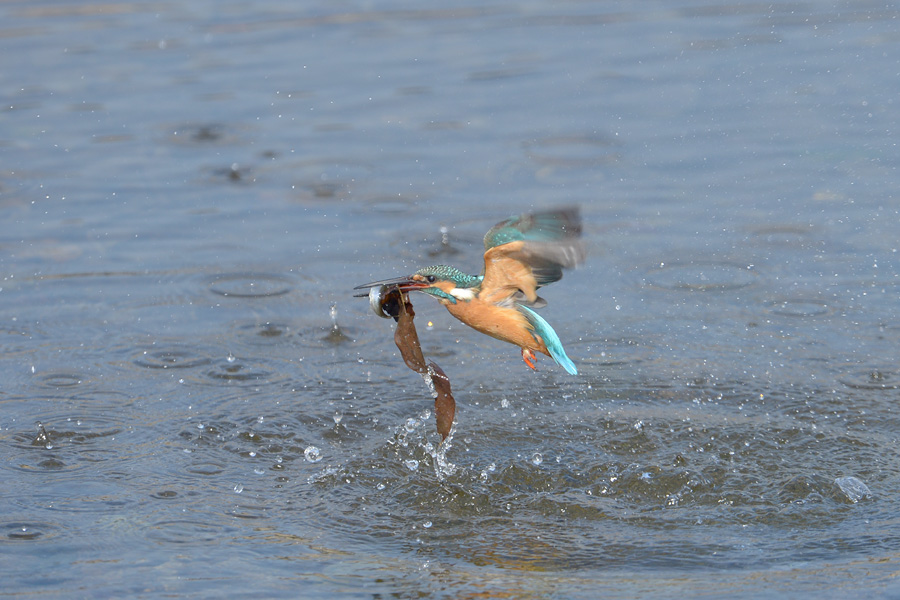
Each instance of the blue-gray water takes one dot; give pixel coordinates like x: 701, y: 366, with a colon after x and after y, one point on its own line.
x: 187, y: 189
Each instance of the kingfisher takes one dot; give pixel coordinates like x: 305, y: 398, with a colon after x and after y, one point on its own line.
x: 522, y: 254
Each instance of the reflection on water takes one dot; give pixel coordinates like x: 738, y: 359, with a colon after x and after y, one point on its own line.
x: 193, y: 403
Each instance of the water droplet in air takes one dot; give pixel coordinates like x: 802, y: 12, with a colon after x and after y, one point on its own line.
x: 537, y: 458
x: 238, y: 488
x: 426, y: 524
x: 411, y: 464
x: 312, y: 454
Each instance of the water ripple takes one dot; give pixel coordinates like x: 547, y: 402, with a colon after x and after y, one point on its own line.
x: 201, y: 134
x: 103, y: 503
x: 576, y: 150
x: 171, y: 357
x: 59, y: 379
x: 28, y: 531
x: 701, y: 276
x: 877, y: 378
x: 799, y: 307
x: 184, y: 531
x: 611, y: 352
x: 784, y: 235
x: 393, y: 205
x: 250, y: 285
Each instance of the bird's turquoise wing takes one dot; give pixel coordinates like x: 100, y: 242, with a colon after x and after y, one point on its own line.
x: 542, y: 244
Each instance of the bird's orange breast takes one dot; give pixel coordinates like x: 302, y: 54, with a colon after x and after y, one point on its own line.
x: 502, y: 323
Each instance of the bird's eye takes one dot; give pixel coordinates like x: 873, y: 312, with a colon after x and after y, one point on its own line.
x: 430, y: 278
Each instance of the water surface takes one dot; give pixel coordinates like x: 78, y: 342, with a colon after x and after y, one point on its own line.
x: 194, y: 404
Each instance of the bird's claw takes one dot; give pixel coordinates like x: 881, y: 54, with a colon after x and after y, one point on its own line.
x: 529, y: 358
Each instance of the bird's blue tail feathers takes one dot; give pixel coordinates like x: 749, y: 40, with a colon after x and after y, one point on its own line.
x: 551, y: 340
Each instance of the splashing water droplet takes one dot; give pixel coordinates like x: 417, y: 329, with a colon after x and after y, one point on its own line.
x: 333, y: 312
x: 411, y: 464
x: 427, y: 524
x: 537, y: 458
x: 312, y: 454
x: 238, y: 488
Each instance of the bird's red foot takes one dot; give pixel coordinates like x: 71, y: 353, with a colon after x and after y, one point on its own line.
x: 529, y: 358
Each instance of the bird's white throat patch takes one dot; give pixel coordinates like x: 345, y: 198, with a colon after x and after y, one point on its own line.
x: 462, y: 293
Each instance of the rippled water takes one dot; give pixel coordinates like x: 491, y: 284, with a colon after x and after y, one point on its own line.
x: 193, y: 403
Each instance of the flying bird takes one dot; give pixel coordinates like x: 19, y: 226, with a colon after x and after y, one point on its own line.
x: 522, y: 254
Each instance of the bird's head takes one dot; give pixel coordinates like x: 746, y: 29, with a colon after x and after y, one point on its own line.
x: 445, y: 283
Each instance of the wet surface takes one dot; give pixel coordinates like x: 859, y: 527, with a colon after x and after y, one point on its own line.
x: 193, y: 403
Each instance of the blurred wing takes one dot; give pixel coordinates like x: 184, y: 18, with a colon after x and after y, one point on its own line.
x: 515, y: 271
x: 526, y: 252
x: 547, y: 226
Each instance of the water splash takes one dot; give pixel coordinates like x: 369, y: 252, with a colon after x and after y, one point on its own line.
x: 428, y: 378
x: 443, y: 468
x: 335, y: 335
x: 42, y: 438
x: 853, y: 488
x: 410, y: 435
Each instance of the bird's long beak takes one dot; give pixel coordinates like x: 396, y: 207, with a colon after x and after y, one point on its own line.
x: 404, y: 284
